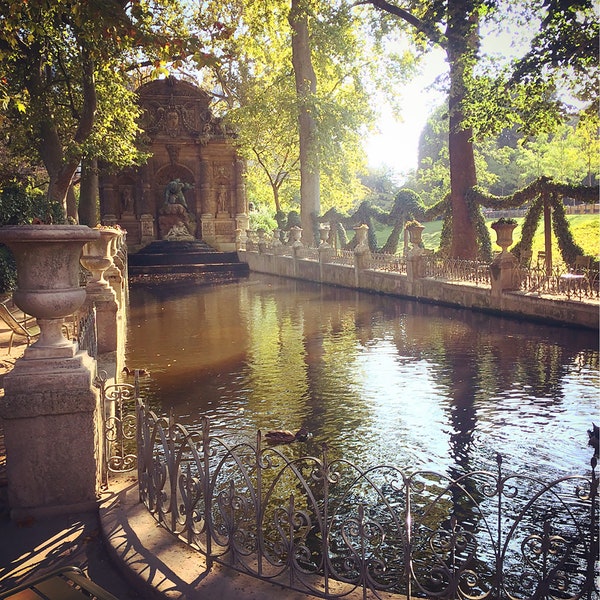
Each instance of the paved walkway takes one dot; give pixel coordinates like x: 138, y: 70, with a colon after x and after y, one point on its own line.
x: 30, y: 548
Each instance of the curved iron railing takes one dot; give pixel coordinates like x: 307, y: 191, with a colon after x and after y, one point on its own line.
x: 327, y: 527
x: 119, y: 453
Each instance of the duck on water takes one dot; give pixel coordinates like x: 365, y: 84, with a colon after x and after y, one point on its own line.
x: 283, y: 436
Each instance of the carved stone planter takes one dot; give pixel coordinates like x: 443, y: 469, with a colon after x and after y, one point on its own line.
x: 47, y: 258
x: 415, y: 234
x: 50, y: 408
x: 97, y: 257
x: 504, y: 234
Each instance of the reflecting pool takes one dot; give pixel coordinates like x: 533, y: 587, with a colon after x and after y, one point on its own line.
x: 379, y: 379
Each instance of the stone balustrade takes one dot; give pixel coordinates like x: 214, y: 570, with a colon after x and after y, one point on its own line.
x: 501, y: 287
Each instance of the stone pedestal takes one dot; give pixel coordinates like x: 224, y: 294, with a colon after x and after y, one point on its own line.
x: 415, y: 265
x: 504, y: 272
x: 147, y: 233
x: 362, y: 252
x: 52, y: 426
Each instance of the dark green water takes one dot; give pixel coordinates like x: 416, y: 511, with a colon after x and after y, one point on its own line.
x: 381, y: 380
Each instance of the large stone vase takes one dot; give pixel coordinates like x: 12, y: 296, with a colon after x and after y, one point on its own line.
x: 415, y: 234
x: 97, y: 258
x: 504, y: 234
x: 47, y: 258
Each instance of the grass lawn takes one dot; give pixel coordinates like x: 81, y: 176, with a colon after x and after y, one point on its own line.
x: 585, y: 229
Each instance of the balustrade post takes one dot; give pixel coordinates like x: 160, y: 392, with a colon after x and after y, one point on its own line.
x: 415, y: 257
x: 362, y: 252
x: 97, y: 257
x: 326, y: 252
x: 504, y: 270
x: 262, y: 240
x: 51, y: 409
x: 297, y: 245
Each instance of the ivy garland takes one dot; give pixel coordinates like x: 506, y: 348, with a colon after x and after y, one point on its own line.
x: 568, y: 248
x: 523, y: 247
x: 538, y: 192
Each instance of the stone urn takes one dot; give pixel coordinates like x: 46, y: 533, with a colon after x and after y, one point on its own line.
x: 415, y: 234
x: 97, y: 257
x: 324, y: 230
x: 296, y: 236
x: 48, y: 288
x: 504, y: 233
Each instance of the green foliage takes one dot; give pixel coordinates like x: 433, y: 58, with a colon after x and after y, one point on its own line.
x: 407, y: 206
x: 254, y: 74
x: 18, y: 207
x: 8, y: 270
x: 67, y: 95
x: 260, y: 219
x: 381, y: 187
x: 293, y: 219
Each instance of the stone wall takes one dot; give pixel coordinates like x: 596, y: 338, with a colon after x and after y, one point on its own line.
x: 456, y: 294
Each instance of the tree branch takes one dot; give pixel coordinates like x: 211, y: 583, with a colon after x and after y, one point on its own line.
x: 431, y: 32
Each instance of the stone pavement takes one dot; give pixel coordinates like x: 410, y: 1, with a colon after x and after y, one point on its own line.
x: 30, y: 548
x: 119, y: 546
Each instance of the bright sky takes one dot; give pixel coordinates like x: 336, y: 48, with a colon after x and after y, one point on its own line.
x: 396, y: 143
x: 396, y: 146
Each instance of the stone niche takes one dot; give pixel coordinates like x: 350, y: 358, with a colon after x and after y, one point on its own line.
x: 192, y: 187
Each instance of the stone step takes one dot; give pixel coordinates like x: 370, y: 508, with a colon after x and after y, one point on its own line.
x: 163, y: 257
x: 227, y: 267
x: 183, y: 258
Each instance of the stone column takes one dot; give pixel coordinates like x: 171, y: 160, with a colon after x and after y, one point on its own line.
x: 240, y: 188
x: 108, y: 212
x: 51, y: 410
x: 98, y: 258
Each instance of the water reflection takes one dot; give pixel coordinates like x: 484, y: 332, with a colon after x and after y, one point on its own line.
x: 381, y: 380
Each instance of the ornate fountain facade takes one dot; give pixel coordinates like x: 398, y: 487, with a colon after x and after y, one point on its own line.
x: 192, y: 187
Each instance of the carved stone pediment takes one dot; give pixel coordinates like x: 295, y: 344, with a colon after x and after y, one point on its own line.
x: 175, y: 109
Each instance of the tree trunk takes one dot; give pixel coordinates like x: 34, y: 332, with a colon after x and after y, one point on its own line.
x: 462, y: 35
x: 60, y: 170
x: 462, y: 41
x: 306, y: 88
x: 88, y: 193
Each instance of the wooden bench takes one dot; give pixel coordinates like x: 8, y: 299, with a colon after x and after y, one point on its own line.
x: 68, y: 583
x: 18, y: 326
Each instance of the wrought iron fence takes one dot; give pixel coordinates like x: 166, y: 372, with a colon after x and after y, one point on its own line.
x: 380, y: 261
x: 581, y: 284
x: 119, y: 452
x: 308, y: 253
x: 454, y: 269
x: 328, y: 527
x: 342, y: 257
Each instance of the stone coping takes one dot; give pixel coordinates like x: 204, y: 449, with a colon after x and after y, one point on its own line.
x: 163, y: 567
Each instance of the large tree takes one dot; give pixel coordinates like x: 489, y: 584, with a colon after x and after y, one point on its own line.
x: 290, y: 73
x: 306, y: 91
x: 62, y: 64
x: 525, y: 97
